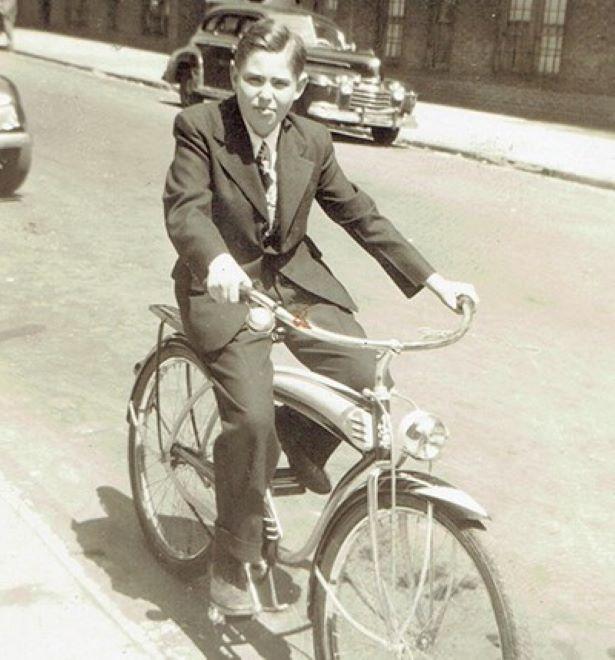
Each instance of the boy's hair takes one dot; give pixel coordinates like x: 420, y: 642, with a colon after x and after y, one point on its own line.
x: 272, y: 37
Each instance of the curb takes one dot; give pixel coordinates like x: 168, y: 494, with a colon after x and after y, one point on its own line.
x: 56, y: 551
x: 516, y: 164
x: 86, y: 67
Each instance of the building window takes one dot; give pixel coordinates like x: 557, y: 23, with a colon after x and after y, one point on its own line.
x: 442, y: 25
x: 155, y: 17
x: 393, y: 36
x: 520, y: 11
x: 552, y: 37
x: 532, y: 37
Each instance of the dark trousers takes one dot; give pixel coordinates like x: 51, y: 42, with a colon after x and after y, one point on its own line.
x: 247, y: 451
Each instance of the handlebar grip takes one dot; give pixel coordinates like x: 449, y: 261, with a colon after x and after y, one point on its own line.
x: 244, y: 292
x: 465, y: 305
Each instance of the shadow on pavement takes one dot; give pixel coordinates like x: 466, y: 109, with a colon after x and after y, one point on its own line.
x: 115, y: 543
x: 15, y: 197
x: 21, y: 331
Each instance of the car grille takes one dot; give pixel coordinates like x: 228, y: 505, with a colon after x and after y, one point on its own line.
x: 370, y: 98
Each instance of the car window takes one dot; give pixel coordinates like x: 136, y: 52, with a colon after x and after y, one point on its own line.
x: 229, y: 24
x: 314, y: 32
x: 246, y: 23
x: 209, y: 24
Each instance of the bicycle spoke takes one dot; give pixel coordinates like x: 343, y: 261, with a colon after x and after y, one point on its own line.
x: 169, y: 485
x: 444, y: 605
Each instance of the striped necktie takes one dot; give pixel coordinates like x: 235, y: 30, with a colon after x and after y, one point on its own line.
x: 263, y: 162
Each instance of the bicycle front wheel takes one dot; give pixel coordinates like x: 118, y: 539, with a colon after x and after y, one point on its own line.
x: 175, y: 408
x: 410, y: 584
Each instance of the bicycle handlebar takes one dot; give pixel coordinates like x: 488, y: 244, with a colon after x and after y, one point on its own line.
x: 439, y: 340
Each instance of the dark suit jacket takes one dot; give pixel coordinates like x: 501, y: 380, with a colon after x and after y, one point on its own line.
x: 214, y: 202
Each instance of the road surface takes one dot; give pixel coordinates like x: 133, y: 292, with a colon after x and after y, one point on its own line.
x: 528, y: 396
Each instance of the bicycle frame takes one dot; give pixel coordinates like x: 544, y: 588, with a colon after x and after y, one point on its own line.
x: 361, y: 419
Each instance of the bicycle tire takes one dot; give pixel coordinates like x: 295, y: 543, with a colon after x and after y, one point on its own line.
x: 493, y: 623
x: 177, y: 535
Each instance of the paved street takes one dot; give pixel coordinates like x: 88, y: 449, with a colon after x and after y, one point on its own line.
x: 528, y: 396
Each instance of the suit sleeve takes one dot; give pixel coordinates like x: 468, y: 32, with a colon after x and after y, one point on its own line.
x: 188, y: 198
x: 356, y: 212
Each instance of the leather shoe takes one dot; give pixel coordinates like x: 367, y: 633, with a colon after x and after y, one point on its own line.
x: 308, y: 473
x: 228, y: 585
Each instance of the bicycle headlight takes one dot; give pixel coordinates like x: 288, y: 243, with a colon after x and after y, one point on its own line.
x: 260, y: 320
x: 422, y: 435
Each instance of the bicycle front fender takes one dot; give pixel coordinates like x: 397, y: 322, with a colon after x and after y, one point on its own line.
x: 457, y: 503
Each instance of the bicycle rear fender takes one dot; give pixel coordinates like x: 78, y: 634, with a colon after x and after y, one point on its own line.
x: 339, y: 409
x: 140, y: 366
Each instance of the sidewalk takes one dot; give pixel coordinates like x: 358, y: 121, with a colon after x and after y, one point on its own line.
x: 571, y: 152
x: 49, y: 608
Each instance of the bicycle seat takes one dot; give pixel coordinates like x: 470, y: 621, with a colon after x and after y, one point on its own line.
x: 169, y: 315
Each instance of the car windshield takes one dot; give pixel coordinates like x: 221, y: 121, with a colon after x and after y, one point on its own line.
x: 314, y: 32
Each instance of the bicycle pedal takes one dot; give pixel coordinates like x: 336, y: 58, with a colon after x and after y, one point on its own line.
x: 215, y: 616
x: 285, y: 482
x: 275, y: 609
x: 220, y: 617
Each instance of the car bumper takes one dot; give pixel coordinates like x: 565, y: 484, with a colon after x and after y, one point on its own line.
x: 363, y: 117
x: 15, y: 140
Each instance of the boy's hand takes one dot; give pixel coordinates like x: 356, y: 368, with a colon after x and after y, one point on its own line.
x: 449, y: 291
x: 224, y: 277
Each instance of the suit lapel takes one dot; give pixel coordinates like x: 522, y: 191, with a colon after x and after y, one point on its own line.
x: 236, y: 156
x: 294, y: 173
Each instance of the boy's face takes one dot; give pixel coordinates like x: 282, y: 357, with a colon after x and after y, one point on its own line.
x: 266, y: 88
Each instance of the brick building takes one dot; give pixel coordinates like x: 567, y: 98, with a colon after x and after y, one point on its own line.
x: 544, y: 58
x: 547, y: 58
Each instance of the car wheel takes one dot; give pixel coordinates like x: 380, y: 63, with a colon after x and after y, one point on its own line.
x: 14, y: 167
x: 187, y: 84
x: 384, y: 135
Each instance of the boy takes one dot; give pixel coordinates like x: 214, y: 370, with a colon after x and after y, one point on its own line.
x: 237, y: 198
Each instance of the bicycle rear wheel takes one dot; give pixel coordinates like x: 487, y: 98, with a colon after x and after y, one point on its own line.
x: 437, y: 594
x: 174, y: 502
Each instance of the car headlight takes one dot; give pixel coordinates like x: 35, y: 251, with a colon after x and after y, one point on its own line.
x: 8, y: 113
x: 398, y: 94
x: 422, y: 435
x: 321, y: 80
x: 346, y: 86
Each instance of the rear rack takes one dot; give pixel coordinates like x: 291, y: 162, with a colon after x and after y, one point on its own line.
x: 169, y: 315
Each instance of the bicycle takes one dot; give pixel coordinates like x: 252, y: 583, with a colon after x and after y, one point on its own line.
x: 397, y: 568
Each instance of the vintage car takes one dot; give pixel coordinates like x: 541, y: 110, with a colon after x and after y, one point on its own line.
x: 15, y: 143
x: 344, y: 90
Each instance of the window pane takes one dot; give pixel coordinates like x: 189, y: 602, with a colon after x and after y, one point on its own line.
x: 396, y: 8
x: 393, y: 40
x: 520, y: 10
x: 555, y: 12
x: 550, y: 50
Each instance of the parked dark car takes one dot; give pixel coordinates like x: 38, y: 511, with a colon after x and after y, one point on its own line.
x: 345, y: 88
x: 15, y: 143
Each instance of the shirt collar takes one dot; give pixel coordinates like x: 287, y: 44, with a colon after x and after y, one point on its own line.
x: 257, y: 140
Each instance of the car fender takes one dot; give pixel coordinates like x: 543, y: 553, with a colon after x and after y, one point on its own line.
x: 190, y: 55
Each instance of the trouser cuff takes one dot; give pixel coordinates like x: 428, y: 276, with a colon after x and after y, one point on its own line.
x: 244, y: 551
